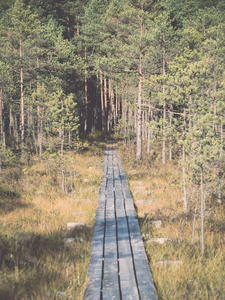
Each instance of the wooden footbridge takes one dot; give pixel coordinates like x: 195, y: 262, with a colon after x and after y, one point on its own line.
x: 118, y: 267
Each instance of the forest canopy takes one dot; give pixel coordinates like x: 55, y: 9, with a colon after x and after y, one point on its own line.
x: 147, y: 70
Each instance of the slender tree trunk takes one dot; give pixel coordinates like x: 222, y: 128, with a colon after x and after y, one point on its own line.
x: 41, y: 131
x: 11, y: 122
x: 63, y: 179
x: 214, y: 96
x: 202, y: 211
x: 139, y: 113
x: 164, y: 106
x: 16, y: 134
x: 78, y: 34
x: 116, y: 108
x: 102, y: 101
x: 34, y: 137
x: 149, y: 125
x: 39, y: 116
x: 110, y: 105
x: 170, y: 144
x: 85, y: 92
x: 125, y: 113
x: 184, y: 168
x: 69, y: 138
x: 143, y: 124
x: 112, y: 108
x: 184, y: 180
x: 164, y: 132
x: 106, y: 102
x: 119, y: 106
x: 219, y: 177
x: 190, y: 111
x: 194, y: 221
x: 62, y: 159
x: 22, y: 99
x: 1, y: 116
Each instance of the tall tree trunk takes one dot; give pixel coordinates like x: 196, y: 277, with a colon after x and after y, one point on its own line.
x: 184, y: 179
x: 34, y: 137
x: 215, y: 126
x: 106, y: 102
x: 22, y: 99
x: 41, y: 131
x: 219, y: 176
x: 16, y: 134
x: 170, y: 143
x: 124, y: 114
x: 112, y: 108
x: 102, y: 101
x: 69, y: 138
x: 164, y: 105
x: 194, y: 221
x: 1, y: 116
x: 116, y: 108
x: 184, y: 168
x: 202, y: 211
x: 85, y: 92
x: 139, y: 114
x: 150, y: 116
x: 11, y: 122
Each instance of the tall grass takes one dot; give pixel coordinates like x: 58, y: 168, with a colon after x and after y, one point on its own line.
x: 197, y: 277
x: 34, y: 214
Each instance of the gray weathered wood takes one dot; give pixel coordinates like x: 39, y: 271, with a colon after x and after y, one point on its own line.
x: 118, y: 267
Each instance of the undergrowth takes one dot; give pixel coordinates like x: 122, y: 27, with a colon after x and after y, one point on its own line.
x: 179, y: 269
x: 35, y: 264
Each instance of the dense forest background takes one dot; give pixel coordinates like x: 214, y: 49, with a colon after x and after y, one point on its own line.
x: 150, y: 71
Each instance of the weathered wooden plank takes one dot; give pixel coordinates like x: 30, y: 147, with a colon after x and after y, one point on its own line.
x: 110, y: 288
x: 110, y: 277
x: 127, y: 274
x: 144, y: 278
x: 143, y: 275
x: 94, y: 276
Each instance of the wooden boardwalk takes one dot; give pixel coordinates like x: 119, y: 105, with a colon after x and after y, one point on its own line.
x: 118, y: 267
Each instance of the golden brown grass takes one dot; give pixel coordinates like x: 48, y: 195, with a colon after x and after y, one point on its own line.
x: 34, y: 217
x: 198, y: 277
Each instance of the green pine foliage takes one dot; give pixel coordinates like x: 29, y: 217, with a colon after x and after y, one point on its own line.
x: 150, y: 71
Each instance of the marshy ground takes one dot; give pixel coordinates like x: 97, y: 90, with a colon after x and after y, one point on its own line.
x: 35, y: 264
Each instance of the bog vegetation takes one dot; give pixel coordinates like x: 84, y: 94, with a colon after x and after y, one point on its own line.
x: 150, y: 71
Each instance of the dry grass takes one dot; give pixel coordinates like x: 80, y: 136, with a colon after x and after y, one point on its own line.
x: 197, y: 277
x: 34, y: 216
x: 35, y: 212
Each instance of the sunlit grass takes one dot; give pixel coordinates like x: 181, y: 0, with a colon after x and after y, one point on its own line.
x: 197, y: 277
x: 34, y: 214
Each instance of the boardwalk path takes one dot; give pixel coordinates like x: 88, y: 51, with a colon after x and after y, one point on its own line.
x: 118, y: 266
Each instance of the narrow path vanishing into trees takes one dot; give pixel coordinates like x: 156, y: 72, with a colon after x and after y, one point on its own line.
x: 118, y: 267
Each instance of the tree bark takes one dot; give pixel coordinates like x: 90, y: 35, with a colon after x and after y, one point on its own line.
x: 194, y: 221
x: 219, y: 177
x: 85, y: 92
x: 106, y: 103
x: 202, y: 211
x: 22, y: 99
x: 170, y: 144
x: 139, y: 113
x: 184, y: 168
x: 164, y: 106
x: 184, y: 180
x: 102, y: 101
x: 1, y: 116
